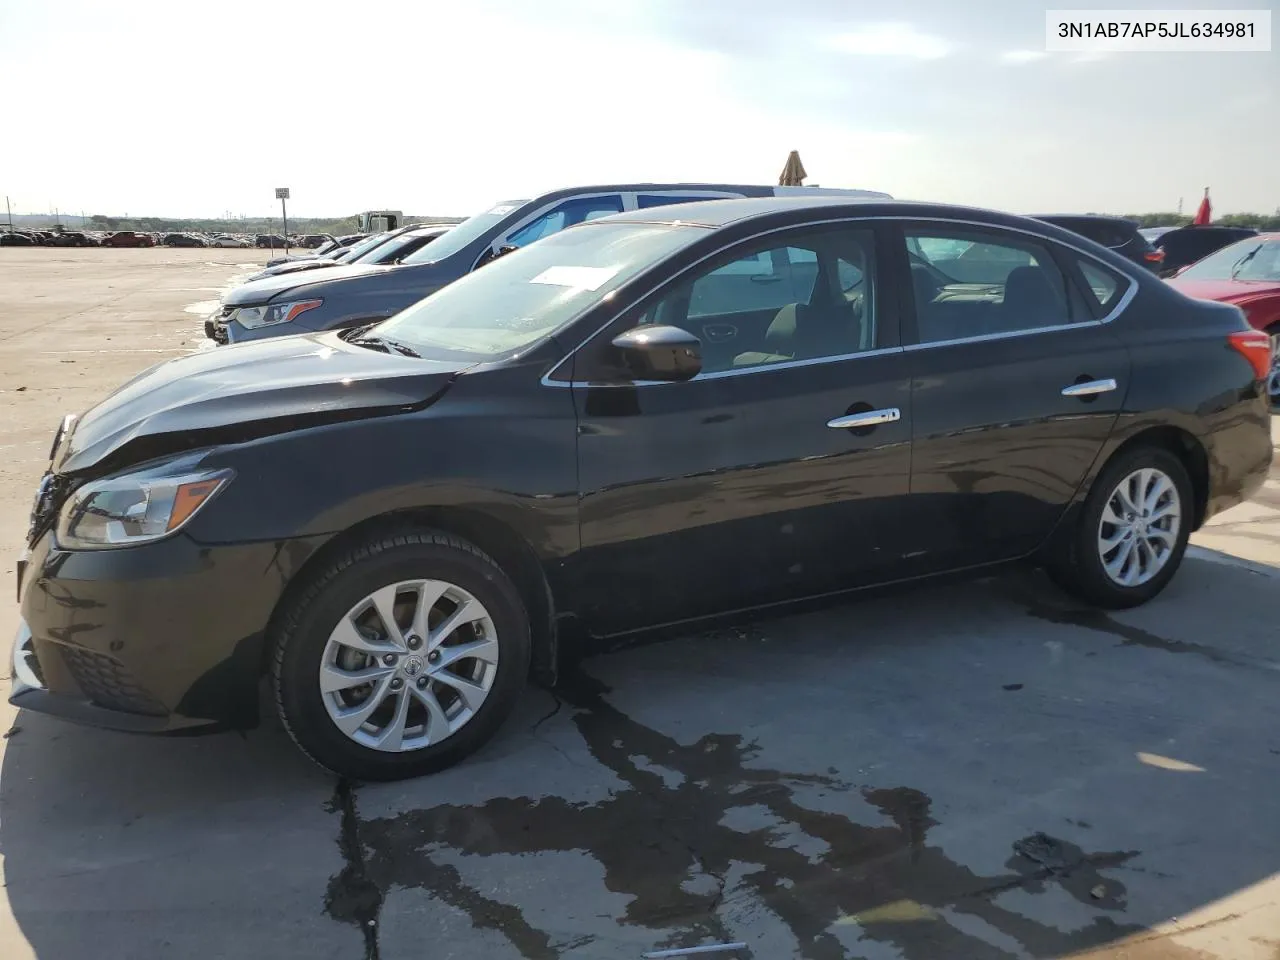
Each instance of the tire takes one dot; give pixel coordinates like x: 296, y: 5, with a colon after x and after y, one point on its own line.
x: 317, y: 618
x: 1078, y: 562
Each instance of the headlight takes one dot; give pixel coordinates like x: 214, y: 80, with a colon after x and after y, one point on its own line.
x: 135, y: 508
x: 251, y: 318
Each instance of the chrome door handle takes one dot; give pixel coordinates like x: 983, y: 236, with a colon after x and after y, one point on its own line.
x: 1089, y: 388
x: 868, y: 418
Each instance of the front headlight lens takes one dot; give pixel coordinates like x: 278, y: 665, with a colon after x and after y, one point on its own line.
x: 251, y: 318
x: 135, y: 508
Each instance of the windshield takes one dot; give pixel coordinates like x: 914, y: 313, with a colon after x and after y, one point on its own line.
x: 464, y: 233
x: 1255, y: 258
x: 357, y: 250
x: 327, y: 247
x: 520, y: 298
x: 391, y: 249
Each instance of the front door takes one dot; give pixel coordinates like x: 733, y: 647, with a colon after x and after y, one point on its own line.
x: 1016, y: 385
x: 778, y: 471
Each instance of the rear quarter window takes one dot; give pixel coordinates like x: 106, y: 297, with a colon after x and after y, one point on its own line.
x: 1104, y: 286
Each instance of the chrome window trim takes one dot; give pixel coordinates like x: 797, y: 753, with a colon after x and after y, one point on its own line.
x: 719, y: 374
x: 1118, y: 309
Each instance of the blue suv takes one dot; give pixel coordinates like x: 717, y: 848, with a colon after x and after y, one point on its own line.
x: 356, y: 294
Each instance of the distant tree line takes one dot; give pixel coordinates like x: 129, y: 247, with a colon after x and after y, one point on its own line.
x: 333, y: 225
x: 1259, y: 221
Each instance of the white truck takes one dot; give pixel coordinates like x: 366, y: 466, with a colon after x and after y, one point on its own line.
x: 380, y: 221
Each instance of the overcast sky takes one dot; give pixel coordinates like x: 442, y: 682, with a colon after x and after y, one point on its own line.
x: 187, y: 108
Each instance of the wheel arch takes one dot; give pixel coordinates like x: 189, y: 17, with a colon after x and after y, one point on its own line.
x: 503, y: 544
x: 1182, y: 444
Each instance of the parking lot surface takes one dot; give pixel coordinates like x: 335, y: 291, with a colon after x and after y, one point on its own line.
x: 962, y: 770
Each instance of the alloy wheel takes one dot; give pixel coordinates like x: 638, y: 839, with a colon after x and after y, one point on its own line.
x: 409, y: 665
x: 1139, y: 527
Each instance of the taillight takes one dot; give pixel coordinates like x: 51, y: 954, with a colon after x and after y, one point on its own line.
x: 1154, y: 256
x: 1254, y: 346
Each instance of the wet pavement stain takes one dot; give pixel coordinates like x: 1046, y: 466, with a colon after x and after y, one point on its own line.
x: 652, y: 838
x: 1132, y: 636
x: 351, y: 897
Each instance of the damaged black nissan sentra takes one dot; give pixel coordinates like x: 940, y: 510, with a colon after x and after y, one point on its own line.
x: 644, y: 420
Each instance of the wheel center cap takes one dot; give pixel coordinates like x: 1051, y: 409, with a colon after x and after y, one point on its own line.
x: 413, y: 666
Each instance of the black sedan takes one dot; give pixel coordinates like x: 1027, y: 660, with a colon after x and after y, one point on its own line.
x: 647, y: 419
x: 182, y: 240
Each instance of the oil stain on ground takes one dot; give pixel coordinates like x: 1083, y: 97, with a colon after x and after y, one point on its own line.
x: 652, y: 838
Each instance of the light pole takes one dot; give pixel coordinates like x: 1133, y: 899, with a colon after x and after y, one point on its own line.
x: 282, y: 194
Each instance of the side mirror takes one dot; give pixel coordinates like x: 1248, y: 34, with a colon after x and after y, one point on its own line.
x: 660, y: 353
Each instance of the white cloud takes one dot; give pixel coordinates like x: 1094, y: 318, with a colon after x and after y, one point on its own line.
x: 1022, y: 56
x: 892, y: 40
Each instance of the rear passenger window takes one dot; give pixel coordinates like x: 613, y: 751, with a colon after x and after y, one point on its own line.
x: 970, y: 284
x: 646, y: 200
x: 1102, y: 283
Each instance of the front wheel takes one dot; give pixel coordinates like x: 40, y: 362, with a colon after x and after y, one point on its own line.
x: 1132, y: 532
x: 401, y: 658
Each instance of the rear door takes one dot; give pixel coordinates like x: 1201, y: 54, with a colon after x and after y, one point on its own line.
x: 1017, y: 381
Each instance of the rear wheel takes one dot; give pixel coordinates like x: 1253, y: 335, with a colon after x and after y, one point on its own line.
x: 401, y: 658
x: 1132, y: 532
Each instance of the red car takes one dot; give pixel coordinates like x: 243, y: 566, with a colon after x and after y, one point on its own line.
x: 1246, y: 274
x: 127, y: 238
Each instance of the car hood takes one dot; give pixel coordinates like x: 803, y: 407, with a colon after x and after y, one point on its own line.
x: 282, y: 269
x: 262, y: 291
x: 239, y: 393
x: 1225, y: 291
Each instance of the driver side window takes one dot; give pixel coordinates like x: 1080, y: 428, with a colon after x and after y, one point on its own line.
x: 809, y: 296
x: 577, y: 210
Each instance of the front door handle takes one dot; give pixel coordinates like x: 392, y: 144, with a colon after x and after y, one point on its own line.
x: 868, y: 418
x: 1089, y: 388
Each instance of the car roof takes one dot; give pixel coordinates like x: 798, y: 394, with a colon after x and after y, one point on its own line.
x: 1214, y: 228
x: 748, y: 189
x: 1097, y: 217
x: 719, y: 213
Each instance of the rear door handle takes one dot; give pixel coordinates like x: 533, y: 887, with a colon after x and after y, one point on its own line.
x: 868, y: 418
x: 1089, y: 388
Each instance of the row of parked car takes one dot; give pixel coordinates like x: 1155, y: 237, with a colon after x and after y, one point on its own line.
x: 139, y: 238
x: 620, y: 408
x: 119, y: 238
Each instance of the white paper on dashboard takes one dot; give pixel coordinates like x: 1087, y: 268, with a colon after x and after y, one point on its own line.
x: 581, y: 278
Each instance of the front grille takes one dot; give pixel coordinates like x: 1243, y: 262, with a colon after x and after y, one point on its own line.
x: 107, y: 682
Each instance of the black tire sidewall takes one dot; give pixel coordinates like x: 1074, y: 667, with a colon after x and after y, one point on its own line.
x: 335, y: 591
x: 1087, y: 574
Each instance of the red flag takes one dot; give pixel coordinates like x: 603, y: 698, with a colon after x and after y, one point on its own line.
x: 1203, y: 215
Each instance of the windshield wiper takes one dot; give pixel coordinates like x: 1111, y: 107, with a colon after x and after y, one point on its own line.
x: 386, y: 345
x: 1240, y: 264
